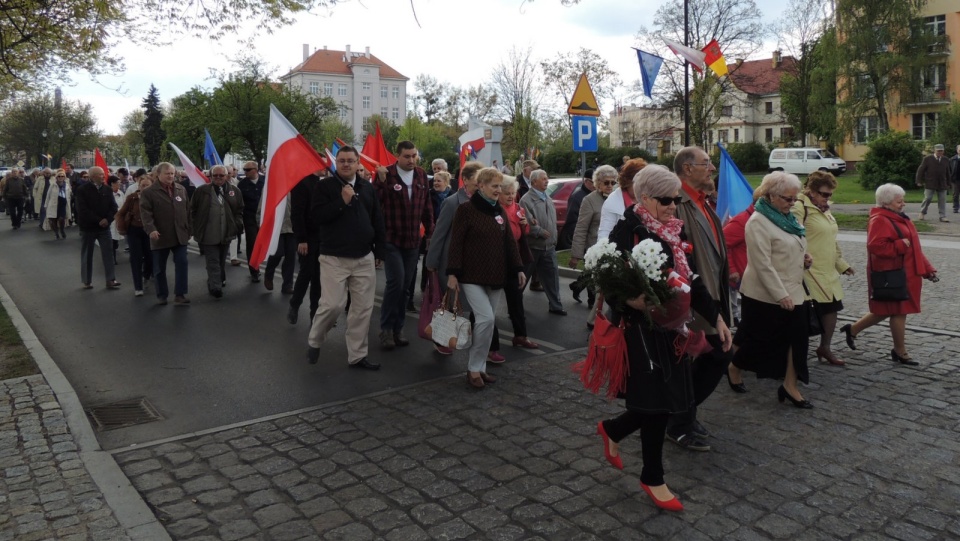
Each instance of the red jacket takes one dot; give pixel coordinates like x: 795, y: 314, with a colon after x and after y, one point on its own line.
x: 733, y: 233
x: 886, y: 251
x: 403, y: 215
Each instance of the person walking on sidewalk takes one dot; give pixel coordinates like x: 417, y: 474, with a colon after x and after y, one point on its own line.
x: 542, y: 238
x: 96, y: 209
x: 57, y: 205
x: 404, y: 195
x: 216, y: 211
x: 933, y: 176
x: 14, y: 193
x: 166, y: 219
x: 352, y: 239
x: 955, y: 180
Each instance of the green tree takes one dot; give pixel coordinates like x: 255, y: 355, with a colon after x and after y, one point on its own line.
x: 948, y: 127
x: 562, y: 73
x: 520, y: 92
x: 152, y: 130
x: 430, y: 141
x: 893, y: 157
x: 883, y: 49
x: 131, y: 128
x: 800, y: 31
x: 37, y: 125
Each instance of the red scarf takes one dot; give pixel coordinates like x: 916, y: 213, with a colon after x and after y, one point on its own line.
x: 669, y: 232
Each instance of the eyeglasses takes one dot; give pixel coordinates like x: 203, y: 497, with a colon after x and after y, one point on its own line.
x: 609, y: 183
x: 790, y: 200
x: 61, y: 176
x: 249, y: 168
x: 826, y: 195
x: 218, y: 175
x: 346, y: 162
x: 665, y: 201
x: 705, y: 164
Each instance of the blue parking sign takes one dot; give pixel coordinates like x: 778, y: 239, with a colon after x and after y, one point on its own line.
x: 585, y: 138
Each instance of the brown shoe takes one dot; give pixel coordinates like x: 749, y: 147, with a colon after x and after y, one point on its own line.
x: 235, y: 262
x: 113, y: 284
x: 475, y: 381
x: 524, y: 342
x: 268, y: 283
x: 488, y: 378
x: 180, y: 299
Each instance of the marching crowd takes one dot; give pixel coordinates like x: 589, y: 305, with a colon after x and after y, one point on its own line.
x: 772, y: 272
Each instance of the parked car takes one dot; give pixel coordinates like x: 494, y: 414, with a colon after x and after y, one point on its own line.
x: 803, y: 161
x: 560, y: 189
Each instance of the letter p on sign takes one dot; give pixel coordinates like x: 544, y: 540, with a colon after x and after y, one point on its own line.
x: 585, y: 137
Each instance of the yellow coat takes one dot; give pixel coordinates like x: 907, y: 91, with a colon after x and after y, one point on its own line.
x: 823, y: 278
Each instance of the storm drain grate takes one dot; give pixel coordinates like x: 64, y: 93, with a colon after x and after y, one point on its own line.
x: 124, y: 413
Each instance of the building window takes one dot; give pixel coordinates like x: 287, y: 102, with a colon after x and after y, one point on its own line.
x: 342, y: 89
x: 366, y: 102
x: 366, y: 124
x: 314, y: 87
x: 395, y: 115
x: 768, y: 135
x: 936, y: 25
x: 366, y: 87
x: 328, y: 89
x: 383, y: 92
x: 865, y: 86
x: 924, y: 124
x: 383, y: 112
x: 736, y: 135
x: 343, y: 112
x: 723, y: 135
x: 396, y: 92
x: 768, y: 107
x: 726, y: 110
x: 934, y: 76
x: 867, y: 127
x: 786, y: 134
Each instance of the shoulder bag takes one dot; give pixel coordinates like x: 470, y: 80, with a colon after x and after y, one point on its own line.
x: 447, y: 327
x: 606, y: 362
x: 890, y: 285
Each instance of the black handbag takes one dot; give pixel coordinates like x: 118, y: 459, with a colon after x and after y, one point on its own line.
x: 814, y: 323
x: 890, y: 285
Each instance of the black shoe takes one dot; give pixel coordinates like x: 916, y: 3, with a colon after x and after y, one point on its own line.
x: 292, y: 315
x: 576, y: 288
x: 365, y: 364
x: 255, y: 278
x: 846, y: 329
x: 699, y: 430
x: 739, y: 388
x: 591, y: 299
x: 902, y: 360
x: 782, y: 395
x: 216, y: 293
x: 411, y: 308
x: 313, y: 355
x: 560, y: 312
x: 689, y: 441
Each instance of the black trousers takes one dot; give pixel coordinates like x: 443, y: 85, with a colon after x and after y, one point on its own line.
x: 286, y: 252
x: 250, y: 229
x: 708, y: 370
x: 518, y: 318
x: 652, y: 427
x: 309, y: 277
x: 956, y: 195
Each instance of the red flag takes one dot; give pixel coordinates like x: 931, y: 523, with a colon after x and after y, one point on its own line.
x: 100, y: 162
x: 367, y: 161
x: 379, y: 151
x: 469, y: 149
x: 290, y: 158
x: 194, y: 173
x: 63, y: 163
x: 714, y: 58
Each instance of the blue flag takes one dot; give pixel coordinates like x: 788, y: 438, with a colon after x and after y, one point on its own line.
x: 649, y: 69
x: 210, y: 151
x: 734, y: 193
x: 333, y: 154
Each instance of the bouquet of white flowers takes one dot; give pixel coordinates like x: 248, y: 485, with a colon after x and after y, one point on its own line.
x: 621, y: 276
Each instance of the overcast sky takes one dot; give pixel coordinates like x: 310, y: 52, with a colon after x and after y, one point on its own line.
x: 454, y: 44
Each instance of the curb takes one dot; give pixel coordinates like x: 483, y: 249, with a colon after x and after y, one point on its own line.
x: 123, y: 499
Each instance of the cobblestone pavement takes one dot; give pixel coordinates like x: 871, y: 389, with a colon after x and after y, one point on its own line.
x: 45, y: 490
x: 875, y: 459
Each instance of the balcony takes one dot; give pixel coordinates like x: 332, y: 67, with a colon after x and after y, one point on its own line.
x: 939, y: 47
x: 928, y: 95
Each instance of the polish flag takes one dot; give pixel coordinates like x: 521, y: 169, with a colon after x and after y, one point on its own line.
x: 694, y: 57
x: 100, y: 162
x: 290, y: 158
x: 196, y: 176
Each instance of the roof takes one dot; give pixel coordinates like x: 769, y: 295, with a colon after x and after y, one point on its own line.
x: 331, y: 61
x: 759, y: 76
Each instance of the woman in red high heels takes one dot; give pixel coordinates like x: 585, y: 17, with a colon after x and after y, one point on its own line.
x: 893, y: 243
x: 823, y: 277
x: 660, y: 378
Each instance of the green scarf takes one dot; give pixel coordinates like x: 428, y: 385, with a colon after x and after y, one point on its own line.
x: 788, y: 222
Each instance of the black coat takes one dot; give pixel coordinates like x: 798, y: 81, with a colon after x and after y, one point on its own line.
x: 95, y: 204
x: 348, y: 230
x: 305, y: 227
x: 659, y: 382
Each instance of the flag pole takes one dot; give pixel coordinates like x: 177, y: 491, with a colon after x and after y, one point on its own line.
x: 686, y: 75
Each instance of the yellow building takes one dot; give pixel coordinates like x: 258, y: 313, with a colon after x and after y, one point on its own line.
x: 917, y: 112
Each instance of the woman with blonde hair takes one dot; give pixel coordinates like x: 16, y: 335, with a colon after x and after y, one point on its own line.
x: 58, y: 204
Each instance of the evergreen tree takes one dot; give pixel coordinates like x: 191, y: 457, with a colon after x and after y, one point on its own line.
x: 153, y: 134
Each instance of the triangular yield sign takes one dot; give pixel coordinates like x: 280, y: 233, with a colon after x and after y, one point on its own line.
x: 583, y: 103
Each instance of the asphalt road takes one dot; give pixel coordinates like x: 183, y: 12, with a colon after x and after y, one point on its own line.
x: 216, y: 362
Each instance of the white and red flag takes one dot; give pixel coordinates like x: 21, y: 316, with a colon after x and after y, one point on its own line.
x: 290, y: 158
x: 693, y: 56
x: 194, y: 173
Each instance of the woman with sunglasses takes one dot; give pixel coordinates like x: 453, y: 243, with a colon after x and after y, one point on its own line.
x: 659, y: 382
x: 772, y: 336
x: 823, y: 277
x: 588, y: 224
x: 58, y: 204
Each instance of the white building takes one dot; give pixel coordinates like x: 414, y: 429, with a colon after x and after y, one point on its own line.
x: 362, y: 85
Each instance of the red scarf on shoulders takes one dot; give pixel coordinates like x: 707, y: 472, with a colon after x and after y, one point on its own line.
x: 670, y: 232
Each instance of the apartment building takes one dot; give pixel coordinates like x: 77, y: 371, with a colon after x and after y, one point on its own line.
x: 360, y: 83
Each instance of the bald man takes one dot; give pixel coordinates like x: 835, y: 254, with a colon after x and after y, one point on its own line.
x: 96, y: 208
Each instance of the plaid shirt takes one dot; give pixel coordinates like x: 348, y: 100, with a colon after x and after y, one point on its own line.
x: 403, y: 216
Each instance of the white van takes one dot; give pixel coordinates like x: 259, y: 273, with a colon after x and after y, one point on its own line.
x: 803, y: 161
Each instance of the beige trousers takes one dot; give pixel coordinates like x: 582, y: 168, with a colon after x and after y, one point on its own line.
x: 338, y: 276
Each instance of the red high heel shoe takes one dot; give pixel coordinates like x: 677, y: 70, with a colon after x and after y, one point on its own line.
x: 615, y: 461
x: 673, y: 504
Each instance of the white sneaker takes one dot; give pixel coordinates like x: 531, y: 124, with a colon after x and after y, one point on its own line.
x: 138, y: 293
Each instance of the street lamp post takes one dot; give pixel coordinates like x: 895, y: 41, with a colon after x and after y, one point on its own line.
x: 193, y: 103
x: 43, y: 151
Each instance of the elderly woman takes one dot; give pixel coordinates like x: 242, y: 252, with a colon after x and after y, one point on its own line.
x: 58, y: 204
x: 130, y: 224
x: 893, y: 243
x: 483, y: 255
x: 772, y: 336
x: 620, y: 199
x: 519, y: 226
x: 823, y: 277
x: 659, y: 382
x: 588, y: 223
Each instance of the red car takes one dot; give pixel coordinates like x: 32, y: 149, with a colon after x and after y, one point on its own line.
x: 560, y: 189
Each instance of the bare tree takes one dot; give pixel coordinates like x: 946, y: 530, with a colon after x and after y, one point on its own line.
x: 519, y: 87
x: 800, y: 31
x: 562, y: 74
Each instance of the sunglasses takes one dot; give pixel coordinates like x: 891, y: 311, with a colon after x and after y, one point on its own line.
x: 665, y: 201
x: 826, y: 195
x: 790, y: 200
x: 608, y: 183
x: 249, y: 168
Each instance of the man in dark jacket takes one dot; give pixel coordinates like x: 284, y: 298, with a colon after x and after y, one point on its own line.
x: 166, y: 219
x: 573, y: 210
x: 251, y: 186
x: 96, y: 208
x: 352, y: 239
x: 216, y: 211
x: 933, y: 176
x: 955, y: 180
x: 14, y: 194
x: 307, y: 233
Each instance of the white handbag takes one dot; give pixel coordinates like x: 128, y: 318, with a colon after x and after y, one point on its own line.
x: 448, y: 328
